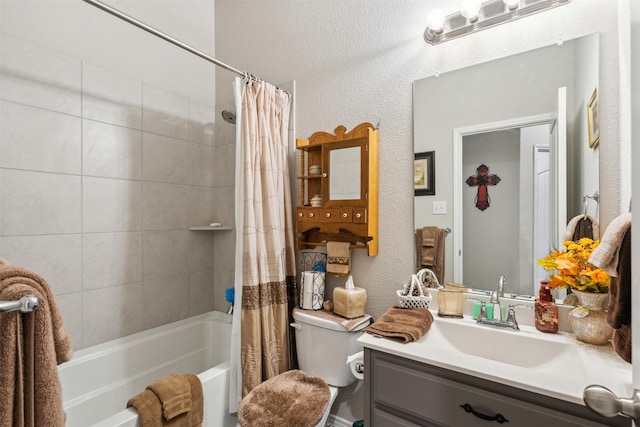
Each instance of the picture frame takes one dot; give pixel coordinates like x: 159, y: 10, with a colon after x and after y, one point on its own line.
x: 424, y: 174
x: 593, y: 119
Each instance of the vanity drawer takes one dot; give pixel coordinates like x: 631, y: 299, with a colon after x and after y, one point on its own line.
x: 403, y: 389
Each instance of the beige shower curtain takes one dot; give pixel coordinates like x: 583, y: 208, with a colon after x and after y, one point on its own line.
x: 267, y: 233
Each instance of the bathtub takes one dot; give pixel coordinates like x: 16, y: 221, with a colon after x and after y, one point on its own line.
x: 98, y: 381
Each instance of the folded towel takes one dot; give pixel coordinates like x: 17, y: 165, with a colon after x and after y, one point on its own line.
x: 33, y: 344
x: 174, y: 393
x: 605, y: 256
x: 582, y: 226
x: 150, y: 409
x: 338, y: 258
x: 402, y: 324
x: 347, y: 324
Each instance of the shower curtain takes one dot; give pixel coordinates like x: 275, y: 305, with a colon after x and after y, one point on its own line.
x: 265, y: 259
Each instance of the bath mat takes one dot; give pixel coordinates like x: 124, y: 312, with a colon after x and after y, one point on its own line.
x: 291, y: 399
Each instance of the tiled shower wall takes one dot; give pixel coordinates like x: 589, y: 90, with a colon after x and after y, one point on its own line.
x: 101, y: 176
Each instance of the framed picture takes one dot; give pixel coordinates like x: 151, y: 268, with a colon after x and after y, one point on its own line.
x: 594, y: 120
x: 424, y: 174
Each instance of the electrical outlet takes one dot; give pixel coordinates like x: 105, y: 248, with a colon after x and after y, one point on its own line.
x: 440, y: 208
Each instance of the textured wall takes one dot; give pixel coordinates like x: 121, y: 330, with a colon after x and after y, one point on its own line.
x: 354, y: 61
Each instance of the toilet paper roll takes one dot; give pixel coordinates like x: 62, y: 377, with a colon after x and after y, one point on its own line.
x: 356, y: 363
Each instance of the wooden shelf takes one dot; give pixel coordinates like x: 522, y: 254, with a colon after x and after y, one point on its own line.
x: 209, y: 228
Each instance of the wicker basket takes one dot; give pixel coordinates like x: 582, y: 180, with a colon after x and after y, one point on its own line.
x: 409, y: 300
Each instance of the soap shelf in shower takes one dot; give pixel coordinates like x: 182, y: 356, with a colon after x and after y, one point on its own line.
x: 209, y: 228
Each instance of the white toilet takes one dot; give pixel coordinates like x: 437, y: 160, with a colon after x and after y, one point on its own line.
x: 323, y: 346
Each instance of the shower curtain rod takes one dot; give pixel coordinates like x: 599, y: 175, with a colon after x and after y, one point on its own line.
x: 157, y: 33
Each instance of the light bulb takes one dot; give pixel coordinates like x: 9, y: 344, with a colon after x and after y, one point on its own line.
x: 470, y: 9
x: 436, y: 21
x: 511, y: 4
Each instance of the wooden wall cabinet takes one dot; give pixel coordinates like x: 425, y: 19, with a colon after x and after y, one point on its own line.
x: 339, y: 188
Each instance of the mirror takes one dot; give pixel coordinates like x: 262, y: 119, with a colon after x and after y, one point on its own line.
x: 344, y: 181
x: 468, y: 116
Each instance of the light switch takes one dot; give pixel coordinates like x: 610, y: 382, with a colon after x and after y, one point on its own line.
x: 440, y: 208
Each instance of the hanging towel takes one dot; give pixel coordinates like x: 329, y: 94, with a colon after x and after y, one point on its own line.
x: 582, y: 226
x: 152, y: 412
x: 605, y: 256
x: 338, y: 258
x: 430, y: 246
x: 33, y: 345
x: 402, y: 324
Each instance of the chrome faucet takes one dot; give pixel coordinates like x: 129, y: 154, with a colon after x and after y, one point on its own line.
x: 509, y: 323
x: 495, y: 298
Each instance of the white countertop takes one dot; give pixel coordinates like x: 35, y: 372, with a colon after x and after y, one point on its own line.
x: 555, y: 365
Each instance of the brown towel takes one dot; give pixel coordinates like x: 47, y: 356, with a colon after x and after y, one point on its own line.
x: 33, y: 344
x: 605, y: 256
x: 347, y: 324
x: 582, y: 226
x: 402, y: 324
x: 338, y: 258
x: 150, y: 408
x: 174, y: 393
x: 430, y: 248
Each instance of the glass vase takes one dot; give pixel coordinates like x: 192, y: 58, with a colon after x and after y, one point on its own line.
x: 589, y: 320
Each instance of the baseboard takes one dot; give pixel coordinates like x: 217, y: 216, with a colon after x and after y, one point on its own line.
x: 335, y: 421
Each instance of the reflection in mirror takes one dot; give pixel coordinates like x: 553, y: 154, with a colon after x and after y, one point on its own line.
x: 475, y: 104
x: 344, y: 181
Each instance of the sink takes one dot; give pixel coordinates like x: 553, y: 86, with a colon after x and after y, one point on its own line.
x: 525, y: 348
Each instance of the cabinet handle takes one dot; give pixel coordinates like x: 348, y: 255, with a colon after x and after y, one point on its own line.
x: 344, y: 215
x: 324, y: 175
x: 311, y: 215
x: 358, y: 215
x: 300, y: 214
x: 499, y: 418
x: 328, y: 215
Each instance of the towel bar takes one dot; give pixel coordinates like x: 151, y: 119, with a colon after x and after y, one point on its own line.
x: 26, y: 304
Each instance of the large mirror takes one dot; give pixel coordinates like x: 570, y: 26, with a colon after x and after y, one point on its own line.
x: 506, y: 186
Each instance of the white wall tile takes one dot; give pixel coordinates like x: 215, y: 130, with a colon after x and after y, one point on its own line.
x: 111, y: 205
x: 165, y: 254
x: 201, y: 250
x: 165, y: 113
x: 111, y: 151
x: 201, y: 164
x: 201, y: 210
x: 165, y: 159
x: 224, y: 251
x: 111, y: 259
x: 40, y: 140
x: 224, y: 204
x: 110, y: 313
x: 56, y: 258
x: 201, y: 292
x: 39, y: 203
x: 223, y: 279
x: 70, y: 307
x: 201, y: 123
x: 111, y: 97
x: 224, y: 164
x: 165, y: 300
x: 36, y: 76
x: 164, y: 206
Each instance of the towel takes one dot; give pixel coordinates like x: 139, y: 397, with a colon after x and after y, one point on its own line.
x: 582, y: 226
x: 605, y: 256
x: 150, y: 408
x: 402, y: 324
x: 338, y: 258
x: 430, y: 246
x: 174, y: 393
x: 33, y: 345
x: 347, y: 324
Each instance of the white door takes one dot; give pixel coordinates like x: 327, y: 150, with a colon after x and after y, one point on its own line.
x: 558, y: 172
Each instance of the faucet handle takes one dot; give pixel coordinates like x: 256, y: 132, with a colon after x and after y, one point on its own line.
x: 511, y: 316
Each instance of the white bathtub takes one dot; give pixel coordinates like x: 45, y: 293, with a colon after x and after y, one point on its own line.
x: 98, y: 381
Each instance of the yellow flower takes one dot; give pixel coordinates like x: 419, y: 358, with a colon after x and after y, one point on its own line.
x: 573, y: 268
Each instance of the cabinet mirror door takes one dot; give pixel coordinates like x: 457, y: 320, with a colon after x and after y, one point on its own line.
x: 345, y: 182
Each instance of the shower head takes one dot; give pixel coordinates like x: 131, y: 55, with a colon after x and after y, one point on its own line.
x: 229, y: 116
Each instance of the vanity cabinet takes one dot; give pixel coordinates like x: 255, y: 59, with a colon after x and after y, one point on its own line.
x: 339, y: 188
x: 401, y: 392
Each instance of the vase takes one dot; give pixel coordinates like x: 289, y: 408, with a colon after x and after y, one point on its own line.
x: 588, y: 320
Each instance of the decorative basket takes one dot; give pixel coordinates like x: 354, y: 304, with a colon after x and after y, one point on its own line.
x: 407, y: 299
x: 428, y: 278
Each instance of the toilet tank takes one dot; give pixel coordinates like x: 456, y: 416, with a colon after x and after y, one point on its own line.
x: 323, y: 346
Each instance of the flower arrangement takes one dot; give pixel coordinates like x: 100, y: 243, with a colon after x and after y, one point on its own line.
x: 573, y: 267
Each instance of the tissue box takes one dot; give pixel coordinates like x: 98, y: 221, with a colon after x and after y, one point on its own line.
x: 349, y: 303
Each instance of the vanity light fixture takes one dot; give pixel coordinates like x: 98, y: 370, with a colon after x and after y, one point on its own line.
x: 475, y: 17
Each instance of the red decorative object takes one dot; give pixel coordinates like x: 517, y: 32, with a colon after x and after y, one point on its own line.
x: 481, y: 180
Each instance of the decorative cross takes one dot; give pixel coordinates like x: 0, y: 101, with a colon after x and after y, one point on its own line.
x: 481, y: 180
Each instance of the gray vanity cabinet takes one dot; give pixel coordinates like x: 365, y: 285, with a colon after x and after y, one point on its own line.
x: 403, y: 393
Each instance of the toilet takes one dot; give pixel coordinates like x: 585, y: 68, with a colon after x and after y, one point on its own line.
x: 322, y: 346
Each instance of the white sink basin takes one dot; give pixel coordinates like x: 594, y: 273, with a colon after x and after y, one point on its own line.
x: 521, y: 348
